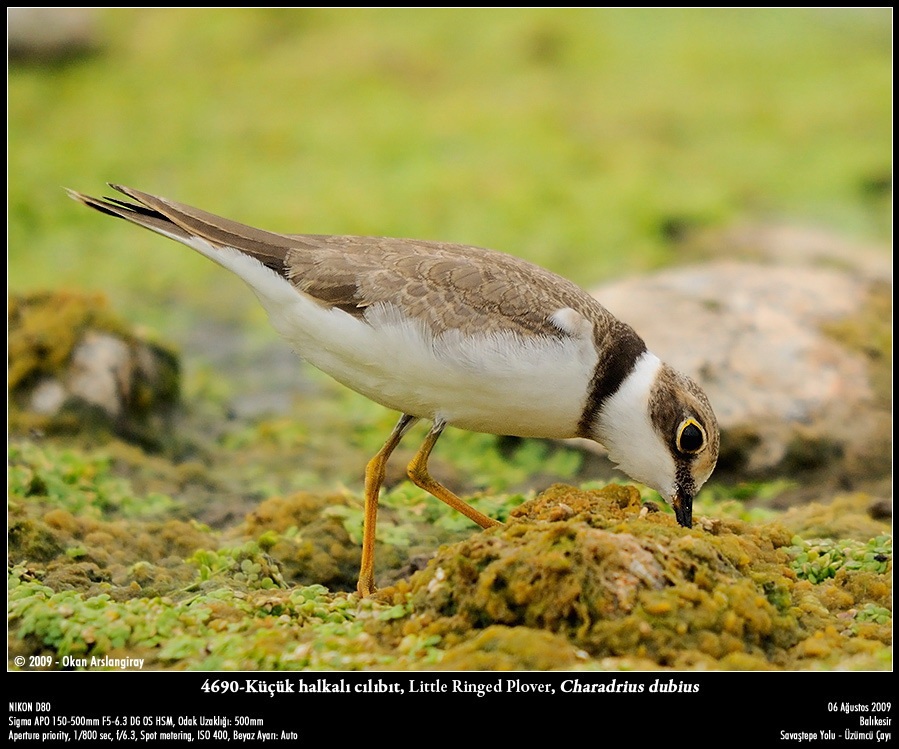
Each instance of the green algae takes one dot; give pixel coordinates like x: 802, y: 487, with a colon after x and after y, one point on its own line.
x: 576, y: 580
x: 245, y: 567
x: 819, y: 559
x: 502, y: 648
x: 223, y: 629
x: 309, y: 544
x: 85, y: 485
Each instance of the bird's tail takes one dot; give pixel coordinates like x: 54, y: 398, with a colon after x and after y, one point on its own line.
x: 185, y: 223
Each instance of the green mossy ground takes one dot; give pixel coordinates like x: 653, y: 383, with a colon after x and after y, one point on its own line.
x: 624, y: 585
x: 576, y: 579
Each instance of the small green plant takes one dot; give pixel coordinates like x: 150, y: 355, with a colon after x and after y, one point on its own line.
x: 819, y: 559
x: 247, y: 564
x: 218, y: 629
x: 871, y: 612
x: 82, y: 483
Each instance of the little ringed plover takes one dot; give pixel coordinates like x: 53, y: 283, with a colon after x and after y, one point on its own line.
x: 461, y: 336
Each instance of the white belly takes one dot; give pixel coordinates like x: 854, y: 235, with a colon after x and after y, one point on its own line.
x: 501, y: 384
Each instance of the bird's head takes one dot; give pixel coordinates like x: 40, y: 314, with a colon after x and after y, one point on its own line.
x: 660, y: 429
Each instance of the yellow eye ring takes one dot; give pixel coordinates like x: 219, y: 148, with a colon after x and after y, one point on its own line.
x: 690, y: 436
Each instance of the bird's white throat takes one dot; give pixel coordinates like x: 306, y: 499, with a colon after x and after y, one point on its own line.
x: 626, y: 430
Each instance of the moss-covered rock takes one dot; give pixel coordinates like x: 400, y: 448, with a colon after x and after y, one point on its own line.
x: 619, y: 582
x: 74, y: 366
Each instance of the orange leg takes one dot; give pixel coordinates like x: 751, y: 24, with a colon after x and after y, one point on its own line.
x: 374, y: 477
x: 418, y: 473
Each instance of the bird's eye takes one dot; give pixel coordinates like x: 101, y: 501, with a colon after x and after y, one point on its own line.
x: 690, y: 436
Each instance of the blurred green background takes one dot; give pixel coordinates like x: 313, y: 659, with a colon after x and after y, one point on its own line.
x: 588, y: 141
x: 595, y: 142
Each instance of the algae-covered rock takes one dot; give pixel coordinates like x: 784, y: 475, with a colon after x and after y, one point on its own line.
x: 577, y: 580
x: 310, y: 544
x: 619, y: 582
x: 73, y: 365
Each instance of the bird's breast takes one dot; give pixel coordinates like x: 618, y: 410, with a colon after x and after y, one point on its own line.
x: 499, y: 383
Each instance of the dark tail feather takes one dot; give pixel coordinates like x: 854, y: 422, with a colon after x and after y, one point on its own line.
x: 133, y: 212
x: 184, y: 222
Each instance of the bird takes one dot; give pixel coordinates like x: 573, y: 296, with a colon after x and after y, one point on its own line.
x: 459, y: 336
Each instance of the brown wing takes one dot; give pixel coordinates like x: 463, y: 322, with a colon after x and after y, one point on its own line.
x: 447, y: 286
